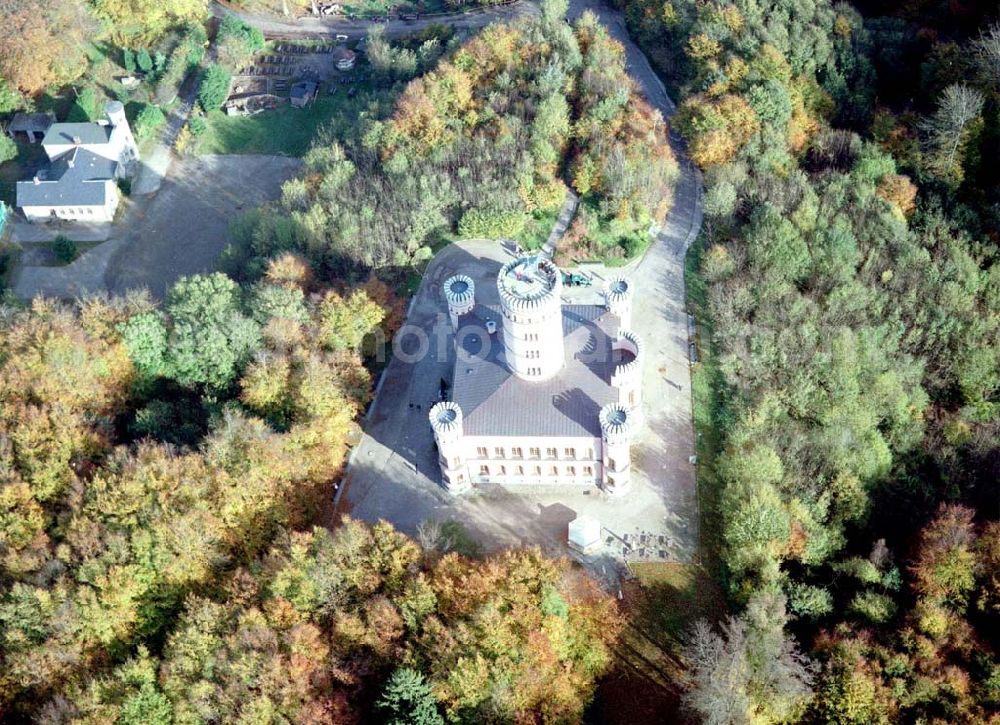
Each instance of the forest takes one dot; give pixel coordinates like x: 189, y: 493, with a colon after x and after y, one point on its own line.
x: 168, y: 553
x: 849, y: 293
x: 164, y: 471
x: 476, y: 146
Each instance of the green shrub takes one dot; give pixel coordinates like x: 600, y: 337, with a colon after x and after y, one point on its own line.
x: 150, y: 118
x: 128, y: 59
x: 64, y: 248
x: 10, y: 98
x: 85, y: 107
x: 236, y: 42
x: 214, y: 88
x: 198, y: 126
x: 8, y: 149
x: 807, y: 600
x: 144, y: 60
x: 125, y: 186
x: 875, y: 607
x: 487, y: 223
x: 632, y: 245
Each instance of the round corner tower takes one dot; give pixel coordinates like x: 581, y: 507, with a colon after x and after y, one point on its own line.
x: 446, y: 421
x: 530, y: 290
x: 460, y: 293
x: 618, y: 299
x: 616, y: 438
x: 627, y: 374
x: 115, y: 111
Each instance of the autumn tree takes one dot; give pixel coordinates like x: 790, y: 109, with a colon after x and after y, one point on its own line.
x: 945, y: 564
x: 42, y: 43
x: 147, y: 19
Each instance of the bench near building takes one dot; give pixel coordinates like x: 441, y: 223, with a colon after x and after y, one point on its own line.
x: 85, y: 161
x: 542, y: 393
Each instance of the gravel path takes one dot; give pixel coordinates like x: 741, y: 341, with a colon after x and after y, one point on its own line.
x: 330, y: 26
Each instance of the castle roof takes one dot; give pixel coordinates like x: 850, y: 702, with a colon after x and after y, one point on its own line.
x: 495, y: 402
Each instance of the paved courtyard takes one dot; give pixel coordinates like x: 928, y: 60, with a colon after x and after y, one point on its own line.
x: 179, y: 229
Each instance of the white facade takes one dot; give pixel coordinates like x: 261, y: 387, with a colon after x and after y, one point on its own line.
x: 533, y: 352
x: 530, y: 289
x: 84, y: 213
x: 119, y: 144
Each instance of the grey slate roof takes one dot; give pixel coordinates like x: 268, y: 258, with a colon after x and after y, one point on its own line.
x: 81, y: 184
x: 88, y: 133
x: 496, y: 402
x: 30, y: 122
x: 304, y: 89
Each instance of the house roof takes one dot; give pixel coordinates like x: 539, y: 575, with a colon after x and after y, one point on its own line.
x: 88, y: 133
x: 74, y: 179
x: 31, y: 122
x: 303, y: 89
x: 494, y: 401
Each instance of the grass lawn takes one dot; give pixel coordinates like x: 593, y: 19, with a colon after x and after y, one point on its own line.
x: 660, y: 606
x: 285, y: 131
x: 708, y: 409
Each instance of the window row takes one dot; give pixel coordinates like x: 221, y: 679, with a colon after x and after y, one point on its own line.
x: 502, y: 470
x: 518, y: 452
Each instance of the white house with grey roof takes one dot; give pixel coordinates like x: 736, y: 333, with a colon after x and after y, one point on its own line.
x: 85, y: 161
x: 542, y: 392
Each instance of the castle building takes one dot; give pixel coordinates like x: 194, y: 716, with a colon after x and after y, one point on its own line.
x: 542, y: 392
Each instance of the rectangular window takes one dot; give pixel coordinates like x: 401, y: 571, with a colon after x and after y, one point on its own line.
x: 481, y: 451
x: 551, y: 453
x: 588, y: 471
x: 484, y: 470
x: 535, y: 452
x: 520, y: 470
x: 569, y: 452
x: 590, y: 454
x: 571, y: 470
x: 553, y: 471
x: 516, y: 452
x: 498, y: 452
x: 503, y: 470
x: 537, y: 470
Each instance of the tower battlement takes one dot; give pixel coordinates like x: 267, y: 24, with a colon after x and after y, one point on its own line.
x: 460, y: 293
x: 618, y: 299
x: 530, y: 299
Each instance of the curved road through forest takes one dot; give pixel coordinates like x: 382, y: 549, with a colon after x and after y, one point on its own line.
x: 391, y: 473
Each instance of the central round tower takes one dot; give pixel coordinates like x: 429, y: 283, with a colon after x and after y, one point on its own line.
x: 530, y: 289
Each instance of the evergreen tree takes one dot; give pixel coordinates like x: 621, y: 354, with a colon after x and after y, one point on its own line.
x: 408, y: 700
